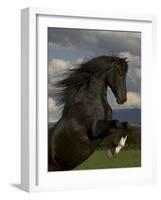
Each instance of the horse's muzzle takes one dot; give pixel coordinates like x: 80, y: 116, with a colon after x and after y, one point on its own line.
x: 121, y: 101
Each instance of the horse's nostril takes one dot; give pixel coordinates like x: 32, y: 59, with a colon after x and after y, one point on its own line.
x: 124, y: 99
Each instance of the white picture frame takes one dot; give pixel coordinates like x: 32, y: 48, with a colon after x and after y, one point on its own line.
x: 34, y: 22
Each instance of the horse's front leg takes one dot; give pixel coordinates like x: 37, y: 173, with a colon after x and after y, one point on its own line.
x: 102, y: 129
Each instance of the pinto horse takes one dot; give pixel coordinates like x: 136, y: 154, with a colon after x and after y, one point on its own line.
x: 87, y: 117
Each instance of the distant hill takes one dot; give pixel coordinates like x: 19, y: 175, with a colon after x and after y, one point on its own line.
x: 131, y: 115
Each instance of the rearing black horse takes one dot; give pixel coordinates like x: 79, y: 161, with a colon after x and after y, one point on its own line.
x: 87, y: 116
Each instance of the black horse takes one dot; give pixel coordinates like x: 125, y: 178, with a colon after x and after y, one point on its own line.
x: 87, y: 116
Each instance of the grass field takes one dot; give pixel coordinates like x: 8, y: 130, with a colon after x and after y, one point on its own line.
x: 100, y: 160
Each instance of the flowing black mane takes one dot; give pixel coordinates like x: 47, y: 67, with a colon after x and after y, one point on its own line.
x: 82, y: 75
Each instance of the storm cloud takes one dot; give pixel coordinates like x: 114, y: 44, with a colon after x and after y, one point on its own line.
x: 94, y: 41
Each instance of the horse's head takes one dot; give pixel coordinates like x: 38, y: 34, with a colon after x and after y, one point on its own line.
x: 116, y: 79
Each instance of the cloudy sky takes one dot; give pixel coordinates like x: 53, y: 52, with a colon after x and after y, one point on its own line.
x: 69, y: 47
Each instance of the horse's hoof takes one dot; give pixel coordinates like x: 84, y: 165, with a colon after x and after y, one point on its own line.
x: 120, y: 145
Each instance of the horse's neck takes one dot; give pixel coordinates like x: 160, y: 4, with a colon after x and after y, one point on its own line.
x: 109, y: 117
x: 92, y: 92
x: 97, y: 86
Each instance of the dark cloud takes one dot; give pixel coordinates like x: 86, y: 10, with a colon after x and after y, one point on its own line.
x: 98, y: 42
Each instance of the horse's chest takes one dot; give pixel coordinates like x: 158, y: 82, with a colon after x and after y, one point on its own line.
x: 103, y: 110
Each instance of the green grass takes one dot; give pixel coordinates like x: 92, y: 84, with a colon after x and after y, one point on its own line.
x: 100, y: 160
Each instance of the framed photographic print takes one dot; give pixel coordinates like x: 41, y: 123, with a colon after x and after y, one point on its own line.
x: 86, y: 103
